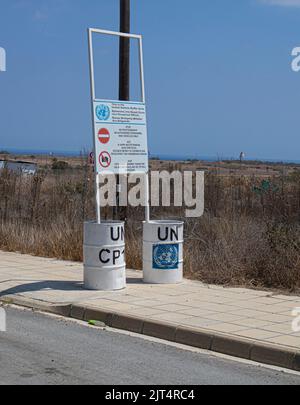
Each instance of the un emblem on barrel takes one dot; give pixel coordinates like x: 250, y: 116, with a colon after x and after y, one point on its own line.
x: 166, y: 257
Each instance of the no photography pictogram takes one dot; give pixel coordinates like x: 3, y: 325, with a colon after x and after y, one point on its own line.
x: 104, y: 135
x: 105, y: 160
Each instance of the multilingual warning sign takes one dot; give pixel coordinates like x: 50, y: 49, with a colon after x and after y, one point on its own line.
x: 121, y: 137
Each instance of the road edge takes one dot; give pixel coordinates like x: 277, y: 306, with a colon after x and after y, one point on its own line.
x: 200, y: 338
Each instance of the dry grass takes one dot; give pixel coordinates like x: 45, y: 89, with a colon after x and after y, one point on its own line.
x: 249, y: 235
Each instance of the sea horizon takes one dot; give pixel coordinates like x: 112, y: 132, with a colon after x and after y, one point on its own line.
x: 160, y: 156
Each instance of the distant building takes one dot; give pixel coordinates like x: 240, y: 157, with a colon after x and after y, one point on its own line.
x: 19, y: 166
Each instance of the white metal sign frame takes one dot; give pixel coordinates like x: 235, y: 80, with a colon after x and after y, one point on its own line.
x: 92, y: 31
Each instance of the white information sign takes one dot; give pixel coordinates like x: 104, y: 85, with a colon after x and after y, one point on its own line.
x: 121, y: 137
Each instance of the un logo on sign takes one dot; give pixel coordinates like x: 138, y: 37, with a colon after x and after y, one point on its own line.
x: 102, y: 112
x: 166, y: 257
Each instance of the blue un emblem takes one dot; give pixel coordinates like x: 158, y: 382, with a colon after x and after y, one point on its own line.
x: 102, y: 112
x: 166, y: 257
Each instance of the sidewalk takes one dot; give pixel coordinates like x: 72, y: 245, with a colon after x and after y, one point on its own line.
x: 246, y: 323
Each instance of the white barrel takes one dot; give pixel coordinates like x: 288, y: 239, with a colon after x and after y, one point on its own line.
x: 104, y: 256
x: 163, y: 252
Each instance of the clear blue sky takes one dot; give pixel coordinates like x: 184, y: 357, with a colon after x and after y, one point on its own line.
x: 218, y: 74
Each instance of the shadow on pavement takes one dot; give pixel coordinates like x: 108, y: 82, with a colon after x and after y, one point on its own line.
x: 53, y: 285
x: 133, y: 280
x: 43, y: 285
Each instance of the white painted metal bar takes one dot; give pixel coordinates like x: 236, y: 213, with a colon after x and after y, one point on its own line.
x: 115, y: 33
x: 141, y: 55
x: 147, y: 197
x: 93, y: 96
x: 143, y: 94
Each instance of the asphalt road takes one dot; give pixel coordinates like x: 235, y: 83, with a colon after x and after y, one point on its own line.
x: 38, y: 349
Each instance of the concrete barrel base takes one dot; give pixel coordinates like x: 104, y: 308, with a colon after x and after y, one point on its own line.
x: 163, y: 252
x: 104, y: 256
x: 104, y: 280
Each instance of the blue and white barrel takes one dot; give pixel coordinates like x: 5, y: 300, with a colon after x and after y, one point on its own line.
x: 104, y: 256
x: 163, y: 252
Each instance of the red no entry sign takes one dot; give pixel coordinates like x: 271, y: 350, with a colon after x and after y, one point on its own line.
x: 105, y: 160
x: 104, y: 135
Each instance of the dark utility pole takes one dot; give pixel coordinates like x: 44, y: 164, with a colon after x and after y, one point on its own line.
x: 124, y: 70
x: 124, y: 79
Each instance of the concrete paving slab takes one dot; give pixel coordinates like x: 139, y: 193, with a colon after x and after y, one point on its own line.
x: 257, y: 334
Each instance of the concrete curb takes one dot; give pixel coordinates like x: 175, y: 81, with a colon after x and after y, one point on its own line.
x: 63, y: 309
x: 199, y: 338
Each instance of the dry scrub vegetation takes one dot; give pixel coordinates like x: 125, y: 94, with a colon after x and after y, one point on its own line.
x: 249, y: 235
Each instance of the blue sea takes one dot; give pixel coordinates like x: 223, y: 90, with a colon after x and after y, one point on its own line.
x: 161, y: 156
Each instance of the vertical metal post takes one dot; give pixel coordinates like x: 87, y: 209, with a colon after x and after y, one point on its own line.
x: 93, y: 97
x: 124, y: 80
x: 124, y: 62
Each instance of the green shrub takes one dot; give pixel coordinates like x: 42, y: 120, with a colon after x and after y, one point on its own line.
x: 59, y: 165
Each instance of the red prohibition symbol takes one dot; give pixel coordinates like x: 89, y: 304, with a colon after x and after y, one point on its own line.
x: 105, y: 160
x: 104, y: 135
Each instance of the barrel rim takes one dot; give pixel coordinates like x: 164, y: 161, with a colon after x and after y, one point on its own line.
x: 163, y: 222
x: 105, y: 223
x: 85, y: 245
x: 164, y: 242
x: 107, y: 269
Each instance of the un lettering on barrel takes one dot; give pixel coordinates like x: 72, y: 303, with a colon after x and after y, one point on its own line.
x: 112, y: 257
